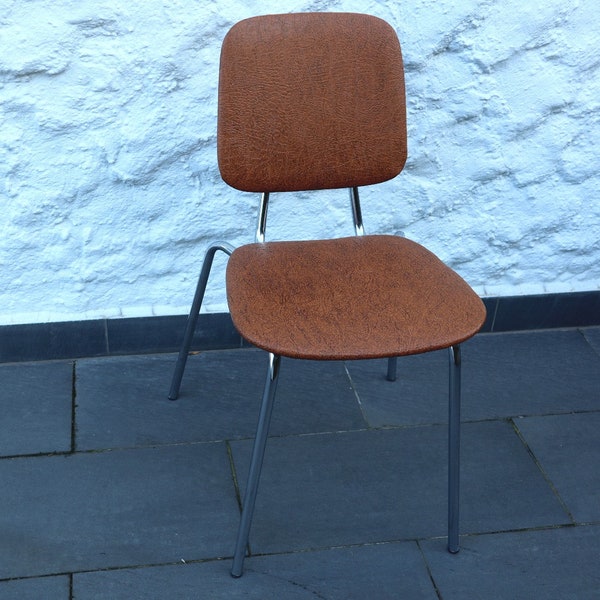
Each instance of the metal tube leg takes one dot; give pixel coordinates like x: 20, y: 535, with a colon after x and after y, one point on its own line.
x: 391, y: 370
x: 454, y: 450
x: 193, y: 316
x: 258, y: 452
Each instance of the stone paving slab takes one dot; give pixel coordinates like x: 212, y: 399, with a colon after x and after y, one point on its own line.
x: 568, y: 449
x: 554, y: 564
x: 60, y: 514
x: 40, y: 588
x: 419, y: 396
x: 220, y: 399
x: 503, y: 376
x: 122, y: 520
x: 36, y: 407
x: 385, y: 485
x: 533, y: 373
x: 592, y: 335
x: 384, y: 572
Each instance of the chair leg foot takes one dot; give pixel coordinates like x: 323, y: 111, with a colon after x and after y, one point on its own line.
x: 454, y: 450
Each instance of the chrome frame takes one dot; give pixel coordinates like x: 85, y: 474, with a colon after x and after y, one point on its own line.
x: 266, y: 408
x: 258, y: 453
x: 356, y: 212
x: 190, y: 327
x: 359, y: 230
x: 454, y: 447
x: 261, y: 225
x: 192, y: 320
x: 260, y: 441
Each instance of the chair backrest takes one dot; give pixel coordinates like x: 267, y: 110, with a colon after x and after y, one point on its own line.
x: 311, y: 101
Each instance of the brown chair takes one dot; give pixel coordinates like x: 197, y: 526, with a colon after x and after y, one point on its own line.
x: 316, y: 101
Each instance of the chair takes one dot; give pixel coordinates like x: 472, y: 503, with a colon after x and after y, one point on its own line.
x: 315, y: 101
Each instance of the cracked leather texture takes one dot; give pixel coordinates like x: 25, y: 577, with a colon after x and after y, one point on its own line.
x: 349, y: 298
x: 310, y: 101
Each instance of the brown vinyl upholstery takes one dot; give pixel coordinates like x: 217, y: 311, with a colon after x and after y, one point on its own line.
x: 312, y: 101
x: 349, y: 298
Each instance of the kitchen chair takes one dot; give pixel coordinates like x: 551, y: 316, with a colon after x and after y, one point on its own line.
x: 314, y: 101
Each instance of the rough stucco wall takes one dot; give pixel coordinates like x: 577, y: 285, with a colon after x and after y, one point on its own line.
x: 109, y: 188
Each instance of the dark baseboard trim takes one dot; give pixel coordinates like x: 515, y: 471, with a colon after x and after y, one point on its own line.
x: 149, y: 335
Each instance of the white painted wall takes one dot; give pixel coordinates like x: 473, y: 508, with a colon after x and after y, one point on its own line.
x: 109, y: 190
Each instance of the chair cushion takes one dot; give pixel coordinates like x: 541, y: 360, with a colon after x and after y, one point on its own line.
x: 349, y: 298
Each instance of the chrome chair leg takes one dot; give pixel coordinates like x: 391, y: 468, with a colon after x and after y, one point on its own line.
x: 193, y: 316
x: 258, y: 452
x: 454, y: 449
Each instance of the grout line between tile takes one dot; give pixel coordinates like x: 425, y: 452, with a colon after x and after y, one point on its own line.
x: 234, y: 478
x: 587, y: 341
x: 74, y: 407
x: 543, y: 472
x: 357, y: 396
x: 429, y: 572
x: 510, y: 419
x: 199, y: 561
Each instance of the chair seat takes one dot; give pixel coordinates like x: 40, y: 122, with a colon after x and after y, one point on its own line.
x: 349, y: 298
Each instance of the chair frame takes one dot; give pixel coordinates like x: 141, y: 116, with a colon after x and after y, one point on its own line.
x: 270, y: 387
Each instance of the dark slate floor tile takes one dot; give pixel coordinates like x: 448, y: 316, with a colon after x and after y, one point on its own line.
x: 503, y: 375
x: 592, y: 335
x: 313, y: 397
x: 61, y: 514
x: 387, y: 571
x: 533, y: 373
x: 46, y: 588
x: 568, y: 449
x: 373, y: 486
x: 556, y: 564
x: 184, y: 582
x: 36, y: 407
x: 419, y: 395
x: 220, y: 398
x: 382, y: 571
